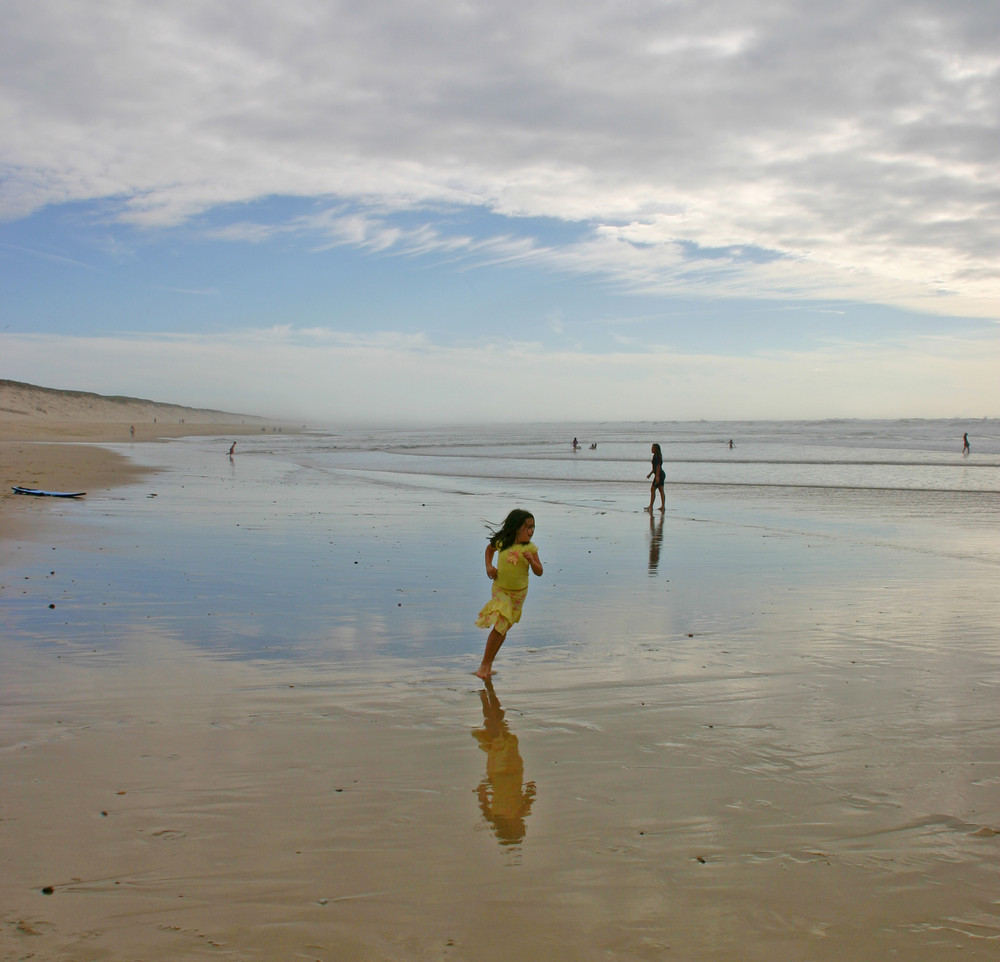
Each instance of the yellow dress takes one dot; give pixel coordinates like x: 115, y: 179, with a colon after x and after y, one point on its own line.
x: 509, y: 589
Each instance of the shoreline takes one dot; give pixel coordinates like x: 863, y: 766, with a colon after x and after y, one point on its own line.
x: 51, y: 439
x: 60, y: 459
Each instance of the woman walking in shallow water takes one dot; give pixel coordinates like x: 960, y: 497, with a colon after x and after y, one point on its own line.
x: 517, y: 555
x: 658, y: 479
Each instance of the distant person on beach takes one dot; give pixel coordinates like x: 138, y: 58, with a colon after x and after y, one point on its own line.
x: 658, y: 479
x: 232, y: 449
x: 731, y: 445
x: 576, y: 444
x: 965, y: 444
x: 131, y: 430
x: 517, y: 555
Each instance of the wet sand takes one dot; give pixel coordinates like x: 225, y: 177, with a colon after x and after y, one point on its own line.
x: 250, y: 731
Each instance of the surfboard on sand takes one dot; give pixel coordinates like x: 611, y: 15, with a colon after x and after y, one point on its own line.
x: 48, y: 494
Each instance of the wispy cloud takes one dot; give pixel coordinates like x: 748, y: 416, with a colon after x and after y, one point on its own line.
x: 51, y: 256
x: 193, y: 292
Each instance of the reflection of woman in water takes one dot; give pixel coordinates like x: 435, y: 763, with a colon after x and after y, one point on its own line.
x: 655, y: 540
x: 504, y: 799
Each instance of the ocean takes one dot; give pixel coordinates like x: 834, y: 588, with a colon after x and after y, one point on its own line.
x: 906, y: 479
x: 888, y: 455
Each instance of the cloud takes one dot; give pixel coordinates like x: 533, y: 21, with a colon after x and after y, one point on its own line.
x: 44, y: 255
x: 329, y: 377
x: 855, y: 144
x: 194, y: 292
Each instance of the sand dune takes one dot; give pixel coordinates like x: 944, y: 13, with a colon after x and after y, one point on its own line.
x: 37, y: 413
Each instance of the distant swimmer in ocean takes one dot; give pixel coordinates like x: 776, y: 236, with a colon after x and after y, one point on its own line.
x: 965, y: 444
x: 656, y: 473
x: 232, y: 449
x: 593, y: 447
x: 517, y: 557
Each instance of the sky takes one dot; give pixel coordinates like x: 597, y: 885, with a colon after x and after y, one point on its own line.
x: 395, y: 211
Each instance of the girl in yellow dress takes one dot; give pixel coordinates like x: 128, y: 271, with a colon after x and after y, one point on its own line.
x: 510, y: 581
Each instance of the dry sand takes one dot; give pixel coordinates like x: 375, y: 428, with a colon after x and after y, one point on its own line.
x: 44, y: 434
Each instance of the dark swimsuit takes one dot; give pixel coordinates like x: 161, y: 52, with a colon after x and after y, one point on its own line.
x: 658, y: 476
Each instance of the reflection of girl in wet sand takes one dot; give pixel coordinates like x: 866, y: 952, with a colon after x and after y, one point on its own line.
x: 504, y: 799
x: 510, y: 581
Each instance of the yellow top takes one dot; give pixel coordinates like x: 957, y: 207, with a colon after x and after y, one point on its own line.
x: 512, y: 566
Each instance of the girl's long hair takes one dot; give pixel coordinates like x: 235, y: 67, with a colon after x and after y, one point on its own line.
x: 504, y: 536
x: 656, y: 448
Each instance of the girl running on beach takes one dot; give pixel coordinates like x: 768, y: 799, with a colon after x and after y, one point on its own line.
x: 658, y: 479
x: 510, y: 580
